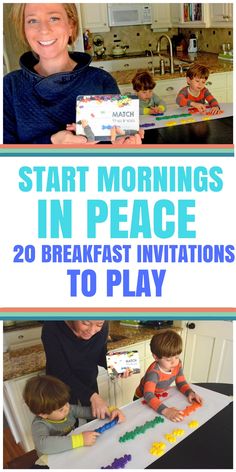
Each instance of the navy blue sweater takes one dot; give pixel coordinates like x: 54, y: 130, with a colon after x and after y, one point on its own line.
x: 74, y: 360
x: 36, y: 107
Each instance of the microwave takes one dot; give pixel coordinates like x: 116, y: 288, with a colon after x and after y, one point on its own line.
x: 129, y: 14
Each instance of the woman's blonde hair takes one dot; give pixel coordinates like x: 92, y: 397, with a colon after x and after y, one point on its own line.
x: 18, y: 11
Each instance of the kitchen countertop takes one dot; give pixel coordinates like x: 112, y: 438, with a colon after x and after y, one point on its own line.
x: 24, y: 361
x: 208, y: 59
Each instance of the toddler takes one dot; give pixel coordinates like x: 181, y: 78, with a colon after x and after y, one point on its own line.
x: 47, y: 397
x: 195, y: 94
x: 149, y: 102
x: 166, y: 347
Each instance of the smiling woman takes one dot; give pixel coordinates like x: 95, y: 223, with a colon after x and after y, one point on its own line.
x: 40, y: 98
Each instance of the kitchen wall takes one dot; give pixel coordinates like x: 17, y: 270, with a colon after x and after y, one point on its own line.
x: 138, y: 38
x: 211, y: 39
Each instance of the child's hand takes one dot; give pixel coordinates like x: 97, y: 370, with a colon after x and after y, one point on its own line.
x: 71, y: 127
x: 116, y: 413
x: 90, y: 437
x: 214, y: 110
x: 156, y: 110
x: 194, y: 397
x: 199, y: 106
x: 122, y: 139
x: 173, y: 414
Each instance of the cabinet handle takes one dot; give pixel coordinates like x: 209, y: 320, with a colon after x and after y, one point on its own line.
x: 169, y: 89
x: 209, y: 83
x: 126, y: 65
x: 190, y: 325
x: 20, y: 336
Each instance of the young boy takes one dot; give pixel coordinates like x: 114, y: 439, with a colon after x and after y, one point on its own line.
x: 196, y: 94
x: 149, y: 102
x: 166, y: 347
x: 47, y: 397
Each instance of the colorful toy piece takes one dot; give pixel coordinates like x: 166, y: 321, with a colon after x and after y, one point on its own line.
x: 141, y: 429
x: 119, y: 463
x: 157, y: 449
x: 147, y: 125
x: 158, y: 395
x: 107, y: 426
x: 170, y: 437
x: 189, y: 409
x: 178, y: 432
x: 193, y: 424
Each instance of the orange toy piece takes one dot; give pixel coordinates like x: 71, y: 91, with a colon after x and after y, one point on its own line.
x: 189, y: 409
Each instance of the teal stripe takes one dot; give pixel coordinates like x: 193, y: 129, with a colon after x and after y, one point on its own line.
x: 122, y: 153
x: 123, y: 315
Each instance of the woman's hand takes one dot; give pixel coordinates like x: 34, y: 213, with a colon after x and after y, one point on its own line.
x: 89, y: 437
x: 99, y: 407
x: 68, y: 137
x: 116, y: 413
x: 127, y: 373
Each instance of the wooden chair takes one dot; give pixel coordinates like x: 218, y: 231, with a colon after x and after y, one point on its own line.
x: 26, y: 461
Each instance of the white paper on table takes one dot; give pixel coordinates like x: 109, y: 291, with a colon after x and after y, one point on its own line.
x: 152, y: 122
x: 108, y: 447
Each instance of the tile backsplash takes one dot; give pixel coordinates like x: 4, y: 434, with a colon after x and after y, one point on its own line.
x: 139, y: 38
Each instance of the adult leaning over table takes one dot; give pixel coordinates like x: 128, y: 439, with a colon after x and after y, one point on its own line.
x: 74, y: 350
x: 40, y: 97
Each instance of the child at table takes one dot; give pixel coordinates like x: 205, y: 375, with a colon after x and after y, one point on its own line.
x: 195, y: 94
x: 47, y: 397
x: 166, y: 347
x: 149, y: 102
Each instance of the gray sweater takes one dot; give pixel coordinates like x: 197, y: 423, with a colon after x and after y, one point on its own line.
x: 154, y: 101
x: 51, y: 436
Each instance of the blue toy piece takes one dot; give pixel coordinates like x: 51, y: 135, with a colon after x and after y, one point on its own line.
x: 106, y: 426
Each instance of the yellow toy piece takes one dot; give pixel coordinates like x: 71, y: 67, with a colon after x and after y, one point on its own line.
x: 161, y: 108
x: 178, y: 432
x: 171, y: 123
x: 158, y: 449
x: 146, y: 111
x: 170, y: 437
x: 193, y: 424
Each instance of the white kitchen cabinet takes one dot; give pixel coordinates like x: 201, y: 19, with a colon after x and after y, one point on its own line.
x: 161, y: 16
x: 229, y: 78
x: 221, y: 86
x: 167, y: 90
x: 221, y: 15
x: 189, y: 15
x: 127, y: 63
x: 16, y: 411
x: 104, y: 386
x: 214, y: 84
x: 94, y: 17
x: 124, y: 388
x: 209, y: 351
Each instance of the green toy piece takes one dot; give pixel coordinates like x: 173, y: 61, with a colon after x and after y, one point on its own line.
x: 141, y: 429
